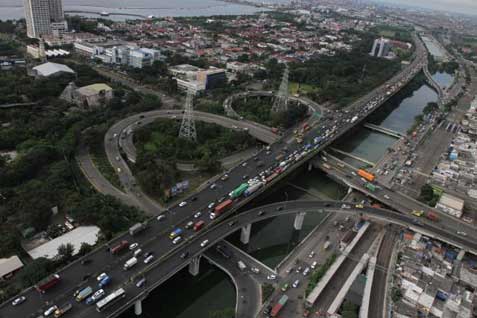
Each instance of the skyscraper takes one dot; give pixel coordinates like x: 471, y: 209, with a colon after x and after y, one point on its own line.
x: 40, y: 14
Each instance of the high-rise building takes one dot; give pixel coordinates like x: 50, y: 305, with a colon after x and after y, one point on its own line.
x: 43, y: 17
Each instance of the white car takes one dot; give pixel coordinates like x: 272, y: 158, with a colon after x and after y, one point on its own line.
x: 387, y: 197
x: 18, y: 300
x: 50, y: 310
x: 211, y: 205
x: 183, y: 203
x: 176, y: 240
x: 148, y: 259
x: 161, y: 217
x: 296, y: 283
x: 133, y: 246
x: 98, y: 294
x: 101, y: 277
x: 204, y: 243
x: 312, y: 253
x: 137, y: 252
x: 306, y: 271
x: 255, y: 270
x: 197, y: 214
x: 213, y: 186
x: 313, y: 265
x: 271, y: 277
x: 461, y: 233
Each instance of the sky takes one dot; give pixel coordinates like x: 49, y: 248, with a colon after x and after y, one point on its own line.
x: 460, y: 6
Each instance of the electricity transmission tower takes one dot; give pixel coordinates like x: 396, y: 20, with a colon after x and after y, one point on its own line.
x: 188, y: 124
x: 281, y: 100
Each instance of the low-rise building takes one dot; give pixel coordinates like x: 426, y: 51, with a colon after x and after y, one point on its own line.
x: 51, y: 69
x: 9, y: 266
x: 87, y: 97
x: 450, y: 204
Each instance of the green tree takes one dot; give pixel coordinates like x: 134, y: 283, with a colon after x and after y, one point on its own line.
x: 223, y: 313
x: 35, y: 271
x: 65, y: 251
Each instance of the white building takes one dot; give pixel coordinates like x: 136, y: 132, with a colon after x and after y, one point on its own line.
x: 51, y: 69
x: 44, y: 17
x: 451, y: 205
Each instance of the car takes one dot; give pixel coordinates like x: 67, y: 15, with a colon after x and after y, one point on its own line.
x: 298, y: 269
x: 197, y: 214
x: 204, y: 243
x: 255, y: 270
x: 244, y: 164
x: 211, y: 205
x: 260, y: 213
x: 148, y: 259
x: 213, y: 186
x: 182, y: 204
x: 313, y: 265
x: 296, y: 283
x: 161, y: 217
x: 280, y: 208
x: 244, y: 177
x: 176, y: 240
x: 189, y: 225
x: 18, y: 300
x: 285, y: 287
x: 387, y: 197
x: 137, y: 252
x: 461, y: 233
x: 289, y: 270
x: 306, y: 271
x: 86, y: 261
x: 133, y: 246
x: 232, y: 223
x: 98, y: 294
x: 50, y: 310
x: 312, y: 253
x: 141, y: 282
x: 185, y: 255
x: 101, y: 277
x: 224, y: 177
x: 359, y: 206
x: 271, y: 277
x: 267, y: 309
x: 194, y: 199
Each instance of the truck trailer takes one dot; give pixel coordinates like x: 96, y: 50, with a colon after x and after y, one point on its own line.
x: 48, y: 283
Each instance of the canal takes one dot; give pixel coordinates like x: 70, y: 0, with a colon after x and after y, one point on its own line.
x: 185, y: 296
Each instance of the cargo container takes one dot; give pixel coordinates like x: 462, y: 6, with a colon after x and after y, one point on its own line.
x: 365, y: 174
x: 239, y: 190
x: 136, y: 228
x: 253, y: 188
x: 130, y: 263
x: 278, y: 306
x: 62, y: 310
x: 198, y: 226
x: 432, y: 217
x: 219, y: 209
x: 48, y: 283
x: 84, y: 293
x: 118, y: 248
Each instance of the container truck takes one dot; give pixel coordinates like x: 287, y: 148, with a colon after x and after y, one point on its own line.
x: 219, y: 209
x: 84, y: 293
x: 136, y: 228
x: 63, y: 310
x: 365, y: 174
x: 432, y: 217
x: 118, y: 248
x: 239, y: 190
x: 130, y: 263
x: 253, y: 188
x: 278, y: 306
x: 47, y: 283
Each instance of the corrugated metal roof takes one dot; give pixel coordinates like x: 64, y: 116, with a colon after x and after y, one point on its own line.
x: 48, y: 69
x: 8, y: 265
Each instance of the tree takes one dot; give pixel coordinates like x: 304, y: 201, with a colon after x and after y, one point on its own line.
x: 223, y: 313
x: 84, y: 249
x: 65, y: 251
x: 35, y: 271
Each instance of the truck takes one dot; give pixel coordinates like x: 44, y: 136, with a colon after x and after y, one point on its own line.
x: 118, y: 248
x: 136, y: 228
x: 84, y: 293
x: 178, y: 231
x: 432, y: 217
x: 370, y: 186
x: 366, y: 175
x: 241, y: 265
x: 48, y: 283
x: 63, y: 310
x: 254, y: 187
x: 104, y: 282
x: 239, y: 190
x: 219, y: 209
x: 130, y: 263
x: 278, y: 306
x: 198, y: 225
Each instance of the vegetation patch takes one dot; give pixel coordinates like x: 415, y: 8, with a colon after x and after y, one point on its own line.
x: 319, y: 273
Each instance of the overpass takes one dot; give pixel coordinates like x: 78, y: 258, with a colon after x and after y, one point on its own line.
x: 156, y: 238
x: 384, y: 130
x: 169, y: 260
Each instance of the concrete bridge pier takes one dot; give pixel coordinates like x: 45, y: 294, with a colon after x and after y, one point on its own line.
x: 245, y: 234
x: 138, y: 307
x: 298, y: 223
x: 310, y: 166
x: 194, y: 265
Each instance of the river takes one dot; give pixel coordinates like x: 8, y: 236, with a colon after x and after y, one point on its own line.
x: 13, y: 9
x: 185, y: 296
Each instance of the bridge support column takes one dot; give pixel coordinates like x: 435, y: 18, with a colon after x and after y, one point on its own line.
x: 245, y: 234
x: 310, y: 166
x: 299, y: 218
x: 138, y: 307
x: 194, y: 265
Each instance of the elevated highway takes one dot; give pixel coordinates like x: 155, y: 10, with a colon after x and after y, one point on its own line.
x: 155, y: 238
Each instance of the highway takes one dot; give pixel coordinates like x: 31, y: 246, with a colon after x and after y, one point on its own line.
x: 155, y: 238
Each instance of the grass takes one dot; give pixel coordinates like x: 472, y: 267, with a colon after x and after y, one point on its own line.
x: 297, y: 88
x: 100, y: 160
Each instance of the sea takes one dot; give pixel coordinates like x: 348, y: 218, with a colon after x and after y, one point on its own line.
x: 13, y: 9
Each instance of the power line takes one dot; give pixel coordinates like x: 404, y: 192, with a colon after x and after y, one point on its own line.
x: 281, y: 100
x: 187, y: 130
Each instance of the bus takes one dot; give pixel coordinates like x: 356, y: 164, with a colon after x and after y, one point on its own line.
x: 110, y: 299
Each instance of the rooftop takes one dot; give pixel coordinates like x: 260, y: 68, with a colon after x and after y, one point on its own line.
x: 49, y: 68
x: 8, y: 265
x: 93, y: 89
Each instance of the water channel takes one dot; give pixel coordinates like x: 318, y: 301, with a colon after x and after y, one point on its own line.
x: 185, y: 296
